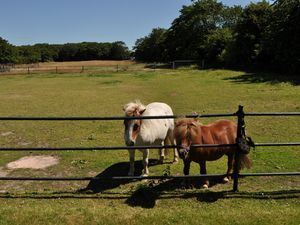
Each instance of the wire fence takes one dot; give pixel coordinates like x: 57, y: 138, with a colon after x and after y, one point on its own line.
x: 240, y: 114
x: 11, y: 69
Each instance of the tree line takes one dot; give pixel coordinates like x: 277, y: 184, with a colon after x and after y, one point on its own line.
x: 64, y: 52
x: 260, y: 35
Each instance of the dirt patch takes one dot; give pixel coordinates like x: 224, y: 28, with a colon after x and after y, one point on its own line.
x: 4, y: 134
x: 33, y: 162
x: 3, y: 173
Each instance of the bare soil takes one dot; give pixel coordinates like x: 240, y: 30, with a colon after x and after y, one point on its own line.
x: 33, y: 162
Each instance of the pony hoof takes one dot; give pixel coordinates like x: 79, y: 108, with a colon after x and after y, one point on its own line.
x: 226, y: 180
x: 205, y: 186
x: 161, y: 160
x: 145, y: 175
x: 175, y: 161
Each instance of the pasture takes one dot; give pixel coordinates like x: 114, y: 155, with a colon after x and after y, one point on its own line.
x: 261, y: 200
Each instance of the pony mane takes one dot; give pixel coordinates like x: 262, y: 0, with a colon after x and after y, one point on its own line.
x: 184, y: 127
x: 187, y: 122
x: 134, y: 107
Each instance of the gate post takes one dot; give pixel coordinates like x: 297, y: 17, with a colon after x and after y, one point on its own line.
x: 240, y: 125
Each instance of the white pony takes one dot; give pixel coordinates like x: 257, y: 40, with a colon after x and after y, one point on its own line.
x: 148, y: 131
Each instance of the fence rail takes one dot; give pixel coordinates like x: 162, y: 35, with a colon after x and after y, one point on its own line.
x: 240, y: 130
x: 100, y: 148
x: 76, y: 118
x: 144, y: 177
x: 60, y: 68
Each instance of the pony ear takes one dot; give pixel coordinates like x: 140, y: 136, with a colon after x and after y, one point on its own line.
x: 141, y: 111
x: 195, y: 123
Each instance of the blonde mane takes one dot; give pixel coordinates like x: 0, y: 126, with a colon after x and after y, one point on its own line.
x: 133, y: 108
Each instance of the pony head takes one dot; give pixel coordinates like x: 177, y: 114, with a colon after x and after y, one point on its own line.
x: 184, y: 131
x: 132, y: 126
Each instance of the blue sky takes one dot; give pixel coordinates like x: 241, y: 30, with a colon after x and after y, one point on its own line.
x: 25, y: 22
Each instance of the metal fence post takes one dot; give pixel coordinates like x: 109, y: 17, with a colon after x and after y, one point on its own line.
x: 240, y: 123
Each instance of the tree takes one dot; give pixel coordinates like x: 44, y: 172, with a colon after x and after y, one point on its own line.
x: 281, y: 45
x: 245, y: 48
x: 47, y: 52
x: 8, y: 53
x: 119, y: 51
x: 215, y: 44
x: 186, y: 36
x: 151, y: 48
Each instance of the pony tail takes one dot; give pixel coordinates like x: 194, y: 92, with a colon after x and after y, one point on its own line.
x: 245, y: 162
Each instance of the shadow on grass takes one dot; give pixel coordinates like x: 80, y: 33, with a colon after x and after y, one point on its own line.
x: 147, y: 193
x: 119, y: 169
x: 146, y: 197
x: 265, y: 78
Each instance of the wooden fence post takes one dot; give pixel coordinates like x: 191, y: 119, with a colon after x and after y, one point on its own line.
x: 173, y: 65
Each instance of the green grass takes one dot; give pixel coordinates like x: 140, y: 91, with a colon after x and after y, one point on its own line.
x: 261, y: 200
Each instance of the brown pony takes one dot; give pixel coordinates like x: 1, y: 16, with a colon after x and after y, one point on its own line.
x: 188, y: 132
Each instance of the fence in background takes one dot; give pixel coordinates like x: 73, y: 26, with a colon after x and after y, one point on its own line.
x: 240, y: 114
x: 4, y: 70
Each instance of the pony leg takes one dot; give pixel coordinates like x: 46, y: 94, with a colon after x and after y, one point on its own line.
x: 161, y: 155
x: 131, y: 162
x: 186, y: 171
x: 145, y: 162
x: 186, y: 168
x: 175, y: 156
x: 175, y: 160
x: 203, y: 171
x: 229, y: 168
x: 171, y: 140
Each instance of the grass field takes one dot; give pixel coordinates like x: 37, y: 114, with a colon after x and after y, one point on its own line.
x: 261, y: 200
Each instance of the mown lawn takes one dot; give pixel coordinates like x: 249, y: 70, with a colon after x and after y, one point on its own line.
x: 261, y: 200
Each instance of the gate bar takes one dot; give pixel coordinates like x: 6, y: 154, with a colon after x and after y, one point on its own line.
x: 273, y: 114
x: 151, y: 117
x: 118, y: 117
x: 113, y: 178
x: 108, y: 147
x: 97, y: 148
x: 145, y: 177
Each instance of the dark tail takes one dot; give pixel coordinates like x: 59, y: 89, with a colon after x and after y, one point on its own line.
x: 245, y: 161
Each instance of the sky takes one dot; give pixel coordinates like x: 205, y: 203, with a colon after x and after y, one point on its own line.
x: 27, y: 22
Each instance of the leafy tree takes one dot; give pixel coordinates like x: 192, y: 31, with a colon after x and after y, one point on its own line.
x: 119, y: 51
x: 215, y: 44
x: 186, y: 36
x: 28, y: 54
x: 8, y: 53
x: 281, y: 45
x: 151, y: 48
x: 246, y: 48
x: 48, y: 52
